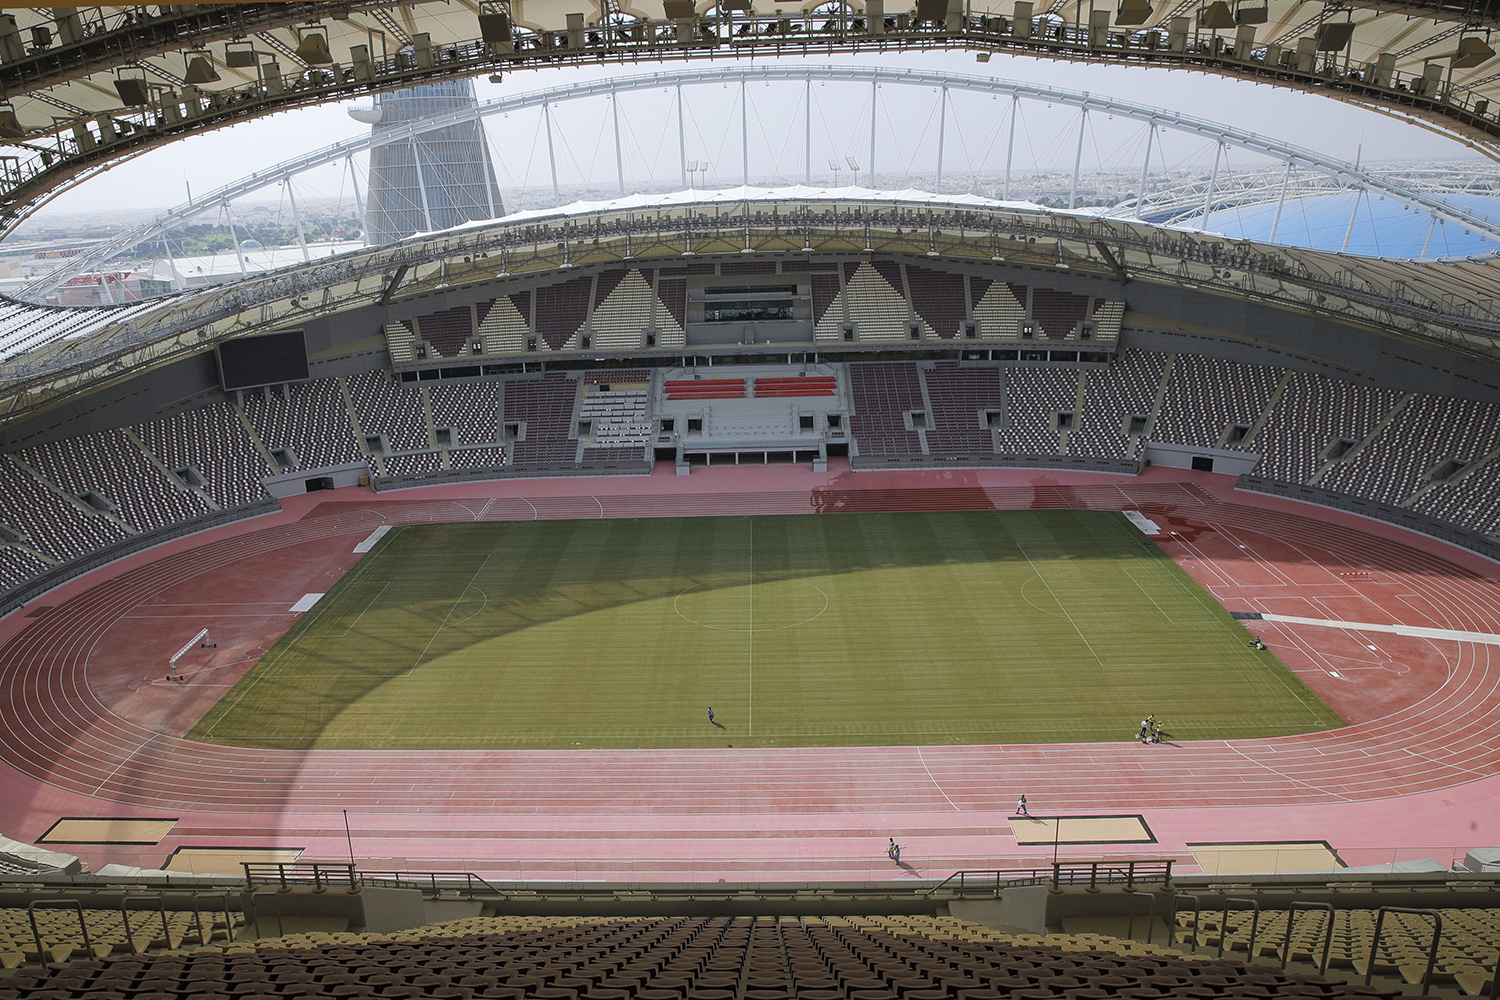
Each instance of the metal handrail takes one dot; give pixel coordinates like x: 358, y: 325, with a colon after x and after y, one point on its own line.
x: 321, y: 875
x: 166, y: 930
x: 1150, y: 917
x: 1197, y: 915
x: 1437, y: 934
x: 1291, y: 918
x: 993, y: 881
x: 1254, y: 924
x: 198, y: 916
x: 36, y: 933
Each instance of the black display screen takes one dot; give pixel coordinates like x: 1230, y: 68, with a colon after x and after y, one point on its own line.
x: 265, y: 360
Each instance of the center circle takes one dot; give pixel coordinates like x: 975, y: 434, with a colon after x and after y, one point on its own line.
x: 728, y: 604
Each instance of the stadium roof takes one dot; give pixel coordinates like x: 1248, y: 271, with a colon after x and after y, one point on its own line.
x: 90, y: 88
x: 54, y: 353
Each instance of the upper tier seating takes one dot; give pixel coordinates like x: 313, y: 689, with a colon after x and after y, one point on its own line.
x: 882, y: 392
x: 825, y: 288
x: 960, y: 397
x: 503, y: 323
x: 561, y: 310
x: 24, y: 326
x: 1057, y: 314
x: 937, y: 297
x: 211, y: 440
x: 999, y: 308
x: 874, y: 301
x: 623, y: 303
x: 449, y: 332
x: 112, y: 465
x: 546, y: 405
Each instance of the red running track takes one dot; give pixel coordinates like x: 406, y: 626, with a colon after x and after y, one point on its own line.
x: 84, y: 732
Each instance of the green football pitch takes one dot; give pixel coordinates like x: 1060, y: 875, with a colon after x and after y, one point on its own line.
x: 802, y: 630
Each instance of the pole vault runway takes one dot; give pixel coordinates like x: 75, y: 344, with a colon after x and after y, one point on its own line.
x: 89, y: 729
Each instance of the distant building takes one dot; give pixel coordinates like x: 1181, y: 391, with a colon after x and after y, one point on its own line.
x: 434, y: 180
x: 102, y: 288
x: 251, y: 258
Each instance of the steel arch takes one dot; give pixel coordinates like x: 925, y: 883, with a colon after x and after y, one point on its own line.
x: 1341, y: 171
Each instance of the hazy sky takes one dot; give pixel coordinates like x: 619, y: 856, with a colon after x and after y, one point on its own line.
x: 585, y: 151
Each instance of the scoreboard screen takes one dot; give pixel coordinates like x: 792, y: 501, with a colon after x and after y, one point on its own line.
x: 269, y: 359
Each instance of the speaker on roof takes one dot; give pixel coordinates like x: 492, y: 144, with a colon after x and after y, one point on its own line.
x: 133, y: 91
x: 932, y: 11
x: 200, y: 69
x: 1216, y: 15
x: 494, y: 29
x: 676, y: 10
x: 1132, y: 12
x: 238, y: 56
x: 1333, y: 37
x: 1258, y: 13
x: 313, y: 49
x: 1471, y: 52
x: 10, y: 125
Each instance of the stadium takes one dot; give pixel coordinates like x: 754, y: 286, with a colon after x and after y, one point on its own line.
x: 753, y: 591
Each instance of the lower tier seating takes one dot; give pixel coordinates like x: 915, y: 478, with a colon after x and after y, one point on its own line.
x: 683, y: 958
